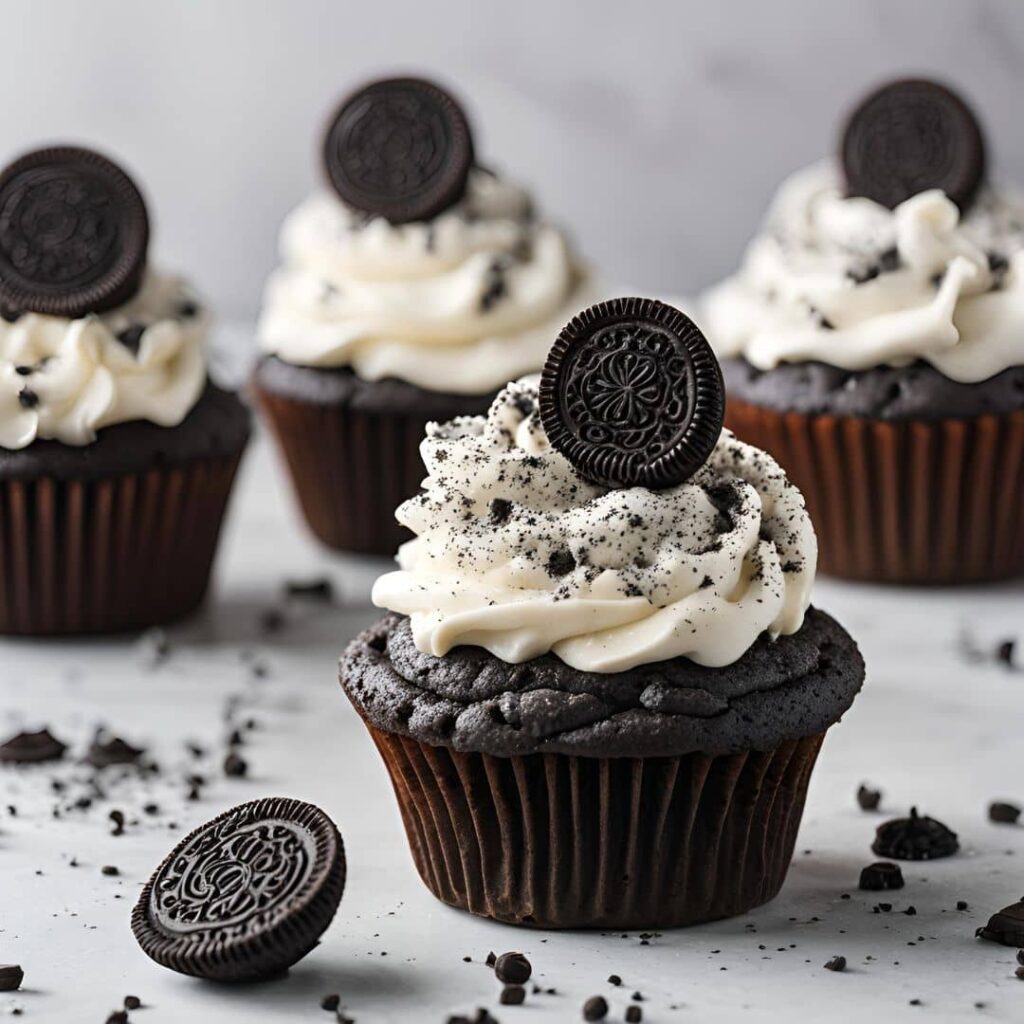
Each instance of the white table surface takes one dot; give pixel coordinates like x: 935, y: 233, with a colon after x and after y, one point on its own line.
x: 928, y: 729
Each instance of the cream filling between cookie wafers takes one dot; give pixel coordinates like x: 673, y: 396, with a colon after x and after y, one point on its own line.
x: 515, y: 553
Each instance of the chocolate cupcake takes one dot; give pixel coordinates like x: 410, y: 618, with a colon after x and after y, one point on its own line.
x: 411, y: 289
x: 600, y: 702
x: 873, y: 342
x: 117, y: 454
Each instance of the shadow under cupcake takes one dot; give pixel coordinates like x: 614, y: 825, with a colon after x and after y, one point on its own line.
x: 600, y: 689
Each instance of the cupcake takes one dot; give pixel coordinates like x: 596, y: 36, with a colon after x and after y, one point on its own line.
x: 873, y: 342
x: 117, y: 454
x: 412, y: 288
x: 600, y: 687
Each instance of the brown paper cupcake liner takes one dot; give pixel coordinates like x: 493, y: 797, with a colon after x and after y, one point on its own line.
x: 350, y: 469
x: 920, y: 501
x: 110, y: 554
x: 556, y: 841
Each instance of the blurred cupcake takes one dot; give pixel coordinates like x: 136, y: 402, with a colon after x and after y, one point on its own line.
x: 873, y: 342
x: 411, y: 289
x: 600, y: 688
x: 117, y: 454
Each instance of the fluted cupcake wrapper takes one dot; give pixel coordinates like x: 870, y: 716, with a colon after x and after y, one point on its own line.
x: 110, y: 554
x: 919, y: 501
x: 557, y: 841
x: 350, y: 469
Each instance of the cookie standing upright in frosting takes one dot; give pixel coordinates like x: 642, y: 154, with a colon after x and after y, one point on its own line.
x: 412, y: 287
x: 875, y: 333
x: 593, y: 580
x: 116, y: 452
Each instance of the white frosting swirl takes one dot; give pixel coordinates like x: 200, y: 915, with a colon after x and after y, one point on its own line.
x: 517, y: 554
x: 461, y: 303
x: 851, y: 283
x: 64, y: 379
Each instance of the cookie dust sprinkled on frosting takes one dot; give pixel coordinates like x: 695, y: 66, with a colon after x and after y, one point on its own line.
x: 63, y: 379
x: 461, y: 303
x: 848, y: 282
x: 517, y: 554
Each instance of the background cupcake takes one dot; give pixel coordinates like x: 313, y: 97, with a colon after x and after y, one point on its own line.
x: 410, y: 290
x: 117, y: 454
x: 873, y: 342
x: 600, y: 702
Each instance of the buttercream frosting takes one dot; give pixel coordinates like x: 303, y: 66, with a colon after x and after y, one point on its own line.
x: 516, y: 553
x: 461, y: 303
x: 64, y: 379
x: 847, y: 282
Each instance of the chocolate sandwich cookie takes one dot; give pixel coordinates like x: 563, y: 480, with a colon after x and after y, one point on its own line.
x: 400, y: 148
x: 246, y: 895
x: 73, y: 233
x: 632, y: 395
x: 909, y: 136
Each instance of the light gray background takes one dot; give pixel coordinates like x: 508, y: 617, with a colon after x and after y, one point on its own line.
x: 656, y: 130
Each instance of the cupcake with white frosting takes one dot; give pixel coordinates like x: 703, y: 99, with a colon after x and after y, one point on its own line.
x: 600, y: 686
x: 117, y: 453
x: 411, y: 288
x: 873, y: 341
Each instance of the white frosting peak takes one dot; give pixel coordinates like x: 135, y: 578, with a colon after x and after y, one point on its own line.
x: 517, y: 554
x: 848, y: 282
x: 64, y: 379
x: 460, y: 303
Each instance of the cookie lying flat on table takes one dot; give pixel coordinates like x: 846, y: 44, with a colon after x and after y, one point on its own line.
x: 909, y: 136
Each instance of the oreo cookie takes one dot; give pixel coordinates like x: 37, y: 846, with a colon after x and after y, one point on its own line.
x: 632, y: 394
x: 400, y: 148
x: 909, y: 136
x: 73, y: 233
x: 246, y: 895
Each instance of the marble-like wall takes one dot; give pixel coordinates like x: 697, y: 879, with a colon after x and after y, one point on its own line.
x: 657, y: 130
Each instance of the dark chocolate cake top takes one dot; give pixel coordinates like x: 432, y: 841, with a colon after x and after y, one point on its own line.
x: 470, y: 700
